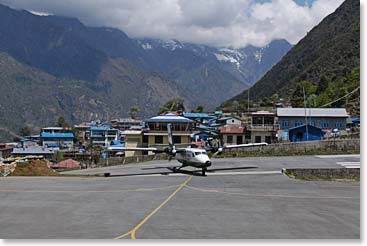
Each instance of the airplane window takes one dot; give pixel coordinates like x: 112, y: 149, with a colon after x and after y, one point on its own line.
x: 204, y: 153
x: 197, y: 153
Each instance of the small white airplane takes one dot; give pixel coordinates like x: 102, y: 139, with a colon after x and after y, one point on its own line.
x: 194, y: 157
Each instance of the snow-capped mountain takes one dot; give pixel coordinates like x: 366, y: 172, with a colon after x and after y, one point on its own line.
x: 246, y: 64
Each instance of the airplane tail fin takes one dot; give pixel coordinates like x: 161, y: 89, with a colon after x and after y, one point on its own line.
x: 170, y: 138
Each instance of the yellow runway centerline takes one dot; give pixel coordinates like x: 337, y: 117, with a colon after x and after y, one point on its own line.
x: 132, y: 232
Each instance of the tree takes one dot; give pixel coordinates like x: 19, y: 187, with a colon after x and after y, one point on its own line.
x: 25, y: 131
x: 297, y: 98
x: 133, y: 111
x: 61, y: 122
x: 175, y: 104
x: 323, y: 84
x: 58, y: 156
x: 199, y: 109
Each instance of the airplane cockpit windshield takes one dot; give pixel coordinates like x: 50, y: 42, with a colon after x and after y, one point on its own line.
x: 200, y: 153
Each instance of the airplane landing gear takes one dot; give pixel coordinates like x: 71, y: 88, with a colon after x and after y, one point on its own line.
x: 203, y: 170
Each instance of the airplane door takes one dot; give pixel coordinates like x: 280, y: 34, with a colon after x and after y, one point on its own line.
x: 188, y: 155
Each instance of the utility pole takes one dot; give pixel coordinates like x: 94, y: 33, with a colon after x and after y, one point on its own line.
x: 248, y: 101
x: 304, y: 104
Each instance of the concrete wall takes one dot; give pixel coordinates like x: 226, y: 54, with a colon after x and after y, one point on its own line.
x: 324, y: 173
x: 302, y: 147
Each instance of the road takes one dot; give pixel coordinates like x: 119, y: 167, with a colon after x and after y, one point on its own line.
x: 242, y: 198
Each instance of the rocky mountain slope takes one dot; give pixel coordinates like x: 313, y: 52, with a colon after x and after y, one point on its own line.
x: 53, y: 66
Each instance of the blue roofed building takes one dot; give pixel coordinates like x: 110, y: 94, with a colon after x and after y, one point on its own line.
x: 324, y: 118
x: 103, y: 135
x: 305, y: 133
x: 59, y: 139
x: 182, y: 129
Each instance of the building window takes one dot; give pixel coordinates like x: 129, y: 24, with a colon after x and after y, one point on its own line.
x: 325, y: 124
x: 158, y: 139
x: 285, y: 123
x: 177, y: 139
x: 239, y: 139
x: 145, y: 139
x: 257, y: 139
x: 268, y: 139
x: 229, y: 139
x: 256, y: 120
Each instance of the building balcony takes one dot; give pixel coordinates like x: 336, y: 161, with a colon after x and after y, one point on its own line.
x: 263, y: 127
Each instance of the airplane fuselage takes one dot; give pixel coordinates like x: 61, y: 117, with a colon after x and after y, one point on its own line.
x: 194, y: 157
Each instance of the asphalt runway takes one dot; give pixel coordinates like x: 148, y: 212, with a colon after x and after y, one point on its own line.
x: 242, y: 198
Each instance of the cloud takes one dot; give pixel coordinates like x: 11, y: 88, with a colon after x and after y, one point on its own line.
x: 221, y: 23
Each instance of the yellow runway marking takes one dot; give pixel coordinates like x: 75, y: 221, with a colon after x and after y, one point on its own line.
x: 132, y: 232
x: 88, y: 191
x: 267, y: 195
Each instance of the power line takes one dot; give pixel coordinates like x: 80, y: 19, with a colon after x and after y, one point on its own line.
x: 341, y: 97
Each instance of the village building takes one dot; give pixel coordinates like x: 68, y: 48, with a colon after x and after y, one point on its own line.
x: 232, y: 135
x: 182, y: 129
x: 57, y: 139
x: 326, y: 119
x: 102, y: 135
x: 34, y: 150
x: 5, y: 150
x: 229, y: 121
x: 156, y: 133
x: 123, y: 124
x: 262, y: 127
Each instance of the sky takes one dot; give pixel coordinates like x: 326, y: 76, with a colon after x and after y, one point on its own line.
x: 220, y: 23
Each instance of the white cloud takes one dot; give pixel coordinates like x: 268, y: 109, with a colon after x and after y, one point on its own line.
x: 235, y: 23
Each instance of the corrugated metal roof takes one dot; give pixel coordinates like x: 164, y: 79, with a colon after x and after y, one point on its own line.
x: 198, y: 115
x: 262, y: 113
x: 102, y: 128
x: 57, y: 135
x: 169, y: 118
x: 232, y: 130
x: 312, y: 112
x: 33, y: 150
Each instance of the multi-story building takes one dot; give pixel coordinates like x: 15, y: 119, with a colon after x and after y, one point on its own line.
x: 59, y: 139
x: 182, y: 129
x: 262, y: 127
x: 156, y: 134
x: 123, y: 124
x: 102, y: 135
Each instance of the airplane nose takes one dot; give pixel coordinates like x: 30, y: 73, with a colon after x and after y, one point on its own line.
x: 208, y: 163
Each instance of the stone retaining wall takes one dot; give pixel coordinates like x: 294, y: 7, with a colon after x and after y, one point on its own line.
x: 323, y: 173
x: 302, y: 147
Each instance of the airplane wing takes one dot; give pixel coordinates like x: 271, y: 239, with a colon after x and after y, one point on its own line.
x: 112, y: 148
x: 244, y: 145
x: 220, y: 150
